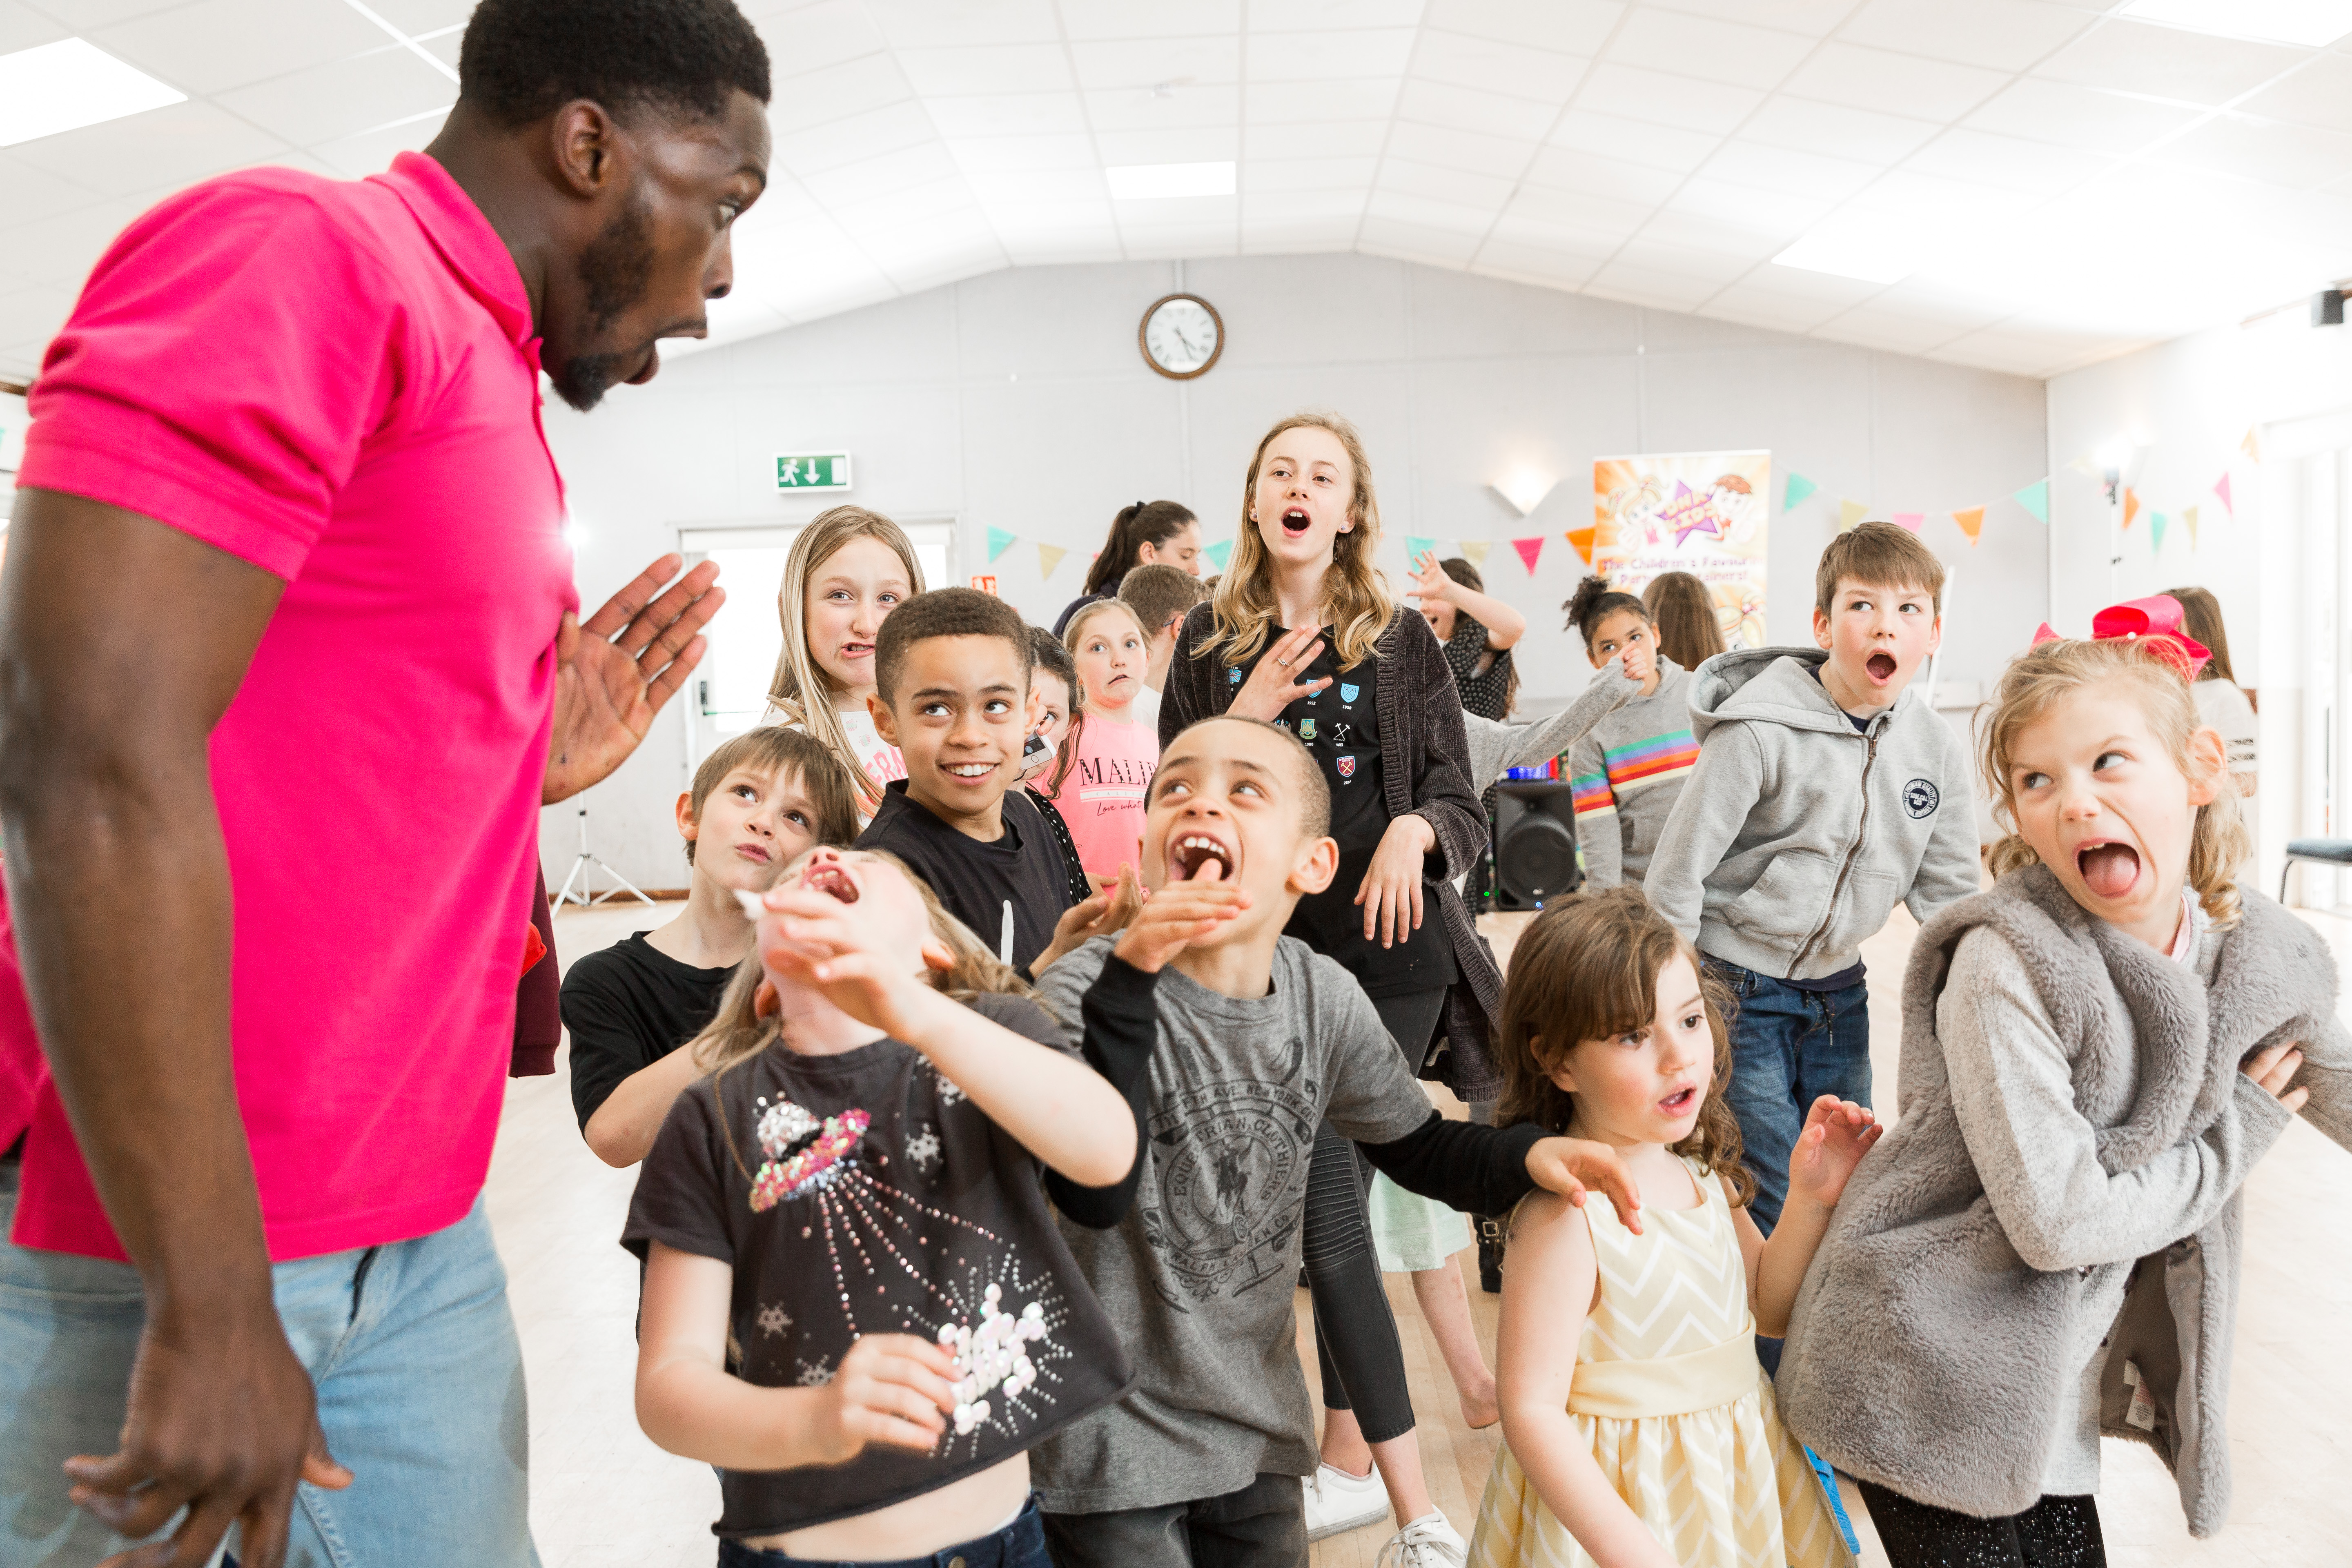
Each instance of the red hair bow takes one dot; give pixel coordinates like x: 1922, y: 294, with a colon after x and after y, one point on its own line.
x: 2155, y: 621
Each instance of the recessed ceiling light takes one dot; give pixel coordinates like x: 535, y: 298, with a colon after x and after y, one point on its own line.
x: 1153, y: 182
x: 1873, y: 259
x: 67, y: 85
x: 2315, y: 23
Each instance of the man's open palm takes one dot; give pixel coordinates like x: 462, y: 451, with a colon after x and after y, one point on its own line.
x: 619, y: 669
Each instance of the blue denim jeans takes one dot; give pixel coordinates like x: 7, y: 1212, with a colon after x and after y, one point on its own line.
x: 1021, y: 1545
x: 1789, y: 1047
x: 420, y: 1388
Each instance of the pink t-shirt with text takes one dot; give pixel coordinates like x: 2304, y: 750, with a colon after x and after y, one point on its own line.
x: 336, y: 382
x: 1102, y: 800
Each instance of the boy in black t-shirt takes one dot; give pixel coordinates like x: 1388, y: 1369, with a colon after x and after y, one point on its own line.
x: 758, y: 802
x: 951, y: 692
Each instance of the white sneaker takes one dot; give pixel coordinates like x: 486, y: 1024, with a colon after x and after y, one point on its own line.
x: 1427, y: 1542
x: 1337, y: 1501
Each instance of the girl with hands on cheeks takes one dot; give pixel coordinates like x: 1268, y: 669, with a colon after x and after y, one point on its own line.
x: 851, y: 1262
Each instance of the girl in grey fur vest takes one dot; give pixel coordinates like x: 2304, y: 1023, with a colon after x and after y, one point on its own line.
x: 2096, y: 1052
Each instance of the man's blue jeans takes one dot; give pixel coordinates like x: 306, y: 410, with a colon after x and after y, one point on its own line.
x: 420, y: 1387
x: 1789, y: 1047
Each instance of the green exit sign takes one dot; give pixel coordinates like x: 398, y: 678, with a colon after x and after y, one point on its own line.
x: 824, y: 471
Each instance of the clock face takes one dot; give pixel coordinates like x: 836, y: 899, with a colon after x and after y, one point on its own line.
x: 1181, y: 337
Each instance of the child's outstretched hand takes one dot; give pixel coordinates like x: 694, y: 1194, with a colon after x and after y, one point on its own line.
x: 851, y: 953
x: 1110, y: 909
x: 1837, y: 1134
x: 1178, y: 915
x: 1569, y: 1166
x: 2273, y: 1068
x: 892, y: 1389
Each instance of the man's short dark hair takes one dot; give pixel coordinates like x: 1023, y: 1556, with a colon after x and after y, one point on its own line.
x: 945, y: 613
x: 1314, y: 789
x: 1158, y: 591
x: 525, y: 58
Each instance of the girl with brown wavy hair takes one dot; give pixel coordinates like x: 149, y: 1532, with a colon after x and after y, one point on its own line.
x: 1628, y: 1357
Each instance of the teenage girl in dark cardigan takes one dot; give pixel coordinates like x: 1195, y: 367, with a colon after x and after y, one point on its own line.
x: 1304, y: 632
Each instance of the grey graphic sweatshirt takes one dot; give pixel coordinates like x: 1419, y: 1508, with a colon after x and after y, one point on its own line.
x: 1796, y: 834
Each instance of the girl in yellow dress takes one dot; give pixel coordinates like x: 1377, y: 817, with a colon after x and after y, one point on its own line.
x: 1638, y: 1429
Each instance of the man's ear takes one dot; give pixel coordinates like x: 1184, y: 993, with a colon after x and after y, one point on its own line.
x: 885, y: 722
x: 586, y: 145
x: 687, y: 826
x: 1318, y: 863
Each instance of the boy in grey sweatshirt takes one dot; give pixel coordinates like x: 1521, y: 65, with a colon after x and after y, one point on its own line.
x: 1825, y: 793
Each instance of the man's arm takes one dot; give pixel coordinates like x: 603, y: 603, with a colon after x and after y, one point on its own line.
x: 121, y: 642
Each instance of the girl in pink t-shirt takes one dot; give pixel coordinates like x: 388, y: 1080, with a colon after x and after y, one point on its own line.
x: 1114, y: 756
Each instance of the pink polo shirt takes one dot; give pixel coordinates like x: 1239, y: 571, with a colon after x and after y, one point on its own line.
x: 337, y: 382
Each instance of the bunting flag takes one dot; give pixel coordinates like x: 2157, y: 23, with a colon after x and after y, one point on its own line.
x: 1048, y: 557
x: 1415, y: 547
x: 1474, y: 551
x: 999, y: 541
x: 1799, y: 489
x: 2189, y: 520
x: 2222, y: 488
x: 1910, y: 520
x: 1529, y: 550
x: 1580, y: 540
x: 2252, y: 445
x: 2035, y: 498
x: 2156, y: 521
x: 1219, y: 554
x: 1849, y: 513
x: 1971, y: 521
x: 2131, y: 505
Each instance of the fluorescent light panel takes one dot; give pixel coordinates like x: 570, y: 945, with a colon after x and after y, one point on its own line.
x: 1156, y: 182
x: 67, y: 85
x: 2313, y: 24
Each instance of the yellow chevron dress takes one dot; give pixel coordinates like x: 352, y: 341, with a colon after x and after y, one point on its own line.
x: 1678, y: 1413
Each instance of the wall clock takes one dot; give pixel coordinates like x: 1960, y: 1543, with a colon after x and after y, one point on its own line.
x: 1181, y: 336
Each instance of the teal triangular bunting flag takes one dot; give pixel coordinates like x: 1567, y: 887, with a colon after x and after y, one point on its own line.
x: 2156, y: 526
x: 2035, y: 498
x: 999, y: 541
x: 1219, y: 554
x: 1799, y: 489
x: 1416, y: 547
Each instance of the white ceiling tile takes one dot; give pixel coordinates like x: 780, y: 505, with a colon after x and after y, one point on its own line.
x: 1680, y: 261
x: 28, y: 193
x: 416, y: 17
x: 1534, y: 264
x: 1059, y: 248
x: 1564, y: 26
x: 446, y: 48
x: 1811, y: 17
x: 870, y: 179
x: 1403, y: 176
x: 1736, y: 245
x: 844, y: 141
x: 986, y: 67
x: 1836, y: 131
x: 1140, y: 109
x: 1471, y: 222
x: 1743, y: 302
x: 35, y: 314
x: 1925, y: 198
x: 1664, y: 147
x: 1145, y: 62
x: 1270, y: 177
x: 916, y: 24
x: 371, y: 152
x: 1596, y: 245
x: 2003, y: 34
x: 834, y: 92
x: 1647, y: 286
x: 1893, y: 330
x: 84, y: 16
x: 1397, y: 237
x: 1743, y: 209
x: 1328, y: 138
x: 1181, y: 211
x: 1038, y: 185
x: 1009, y: 114
x: 995, y: 154
x: 1709, y: 47
x: 340, y: 99
x: 1764, y: 293
x: 2264, y: 150
x: 2078, y: 116
x: 1315, y: 102
x: 814, y: 37
x: 1468, y: 109
x: 1498, y: 155
x: 1283, y: 237
x: 22, y: 27
x: 1893, y: 83
x: 1177, y: 144
x: 63, y: 248
x: 1301, y: 206
x: 1578, y: 210
x: 1328, y: 57
x: 2133, y: 57
x: 1662, y: 98
x: 158, y: 150
x: 1483, y: 65
x: 2018, y: 352
x: 2320, y: 93
x: 857, y: 207
x: 1965, y: 154
x: 1150, y: 18
x: 1324, y: 15
x: 1788, y: 171
x: 1563, y: 169
x: 1179, y: 241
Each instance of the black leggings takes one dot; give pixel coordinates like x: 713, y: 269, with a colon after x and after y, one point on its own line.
x: 2056, y: 1532
x: 1356, y: 1341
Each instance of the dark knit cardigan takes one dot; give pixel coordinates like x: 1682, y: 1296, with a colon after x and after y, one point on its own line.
x: 1425, y: 769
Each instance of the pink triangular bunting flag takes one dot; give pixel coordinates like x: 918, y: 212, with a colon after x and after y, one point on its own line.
x: 1910, y: 520
x: 2222, y: 488
x: 1529, y: 550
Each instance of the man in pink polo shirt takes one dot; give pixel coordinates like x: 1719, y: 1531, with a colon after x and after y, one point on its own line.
x: 286, y: 606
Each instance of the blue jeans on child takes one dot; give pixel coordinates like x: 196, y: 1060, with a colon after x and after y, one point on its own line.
x: 1790, y: 1045
x: 420, y: 1388
x: 1021, y: 1545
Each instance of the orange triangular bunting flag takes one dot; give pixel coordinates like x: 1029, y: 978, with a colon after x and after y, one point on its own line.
x: 2131, y: 506
x: 1580, y: 540
x: 1971, y: 521
x: 2252, y: 445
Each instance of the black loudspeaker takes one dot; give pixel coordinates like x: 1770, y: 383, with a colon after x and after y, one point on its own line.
x: 1535, y: 843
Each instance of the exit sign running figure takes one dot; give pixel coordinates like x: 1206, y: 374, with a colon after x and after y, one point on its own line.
x: 824, y: 471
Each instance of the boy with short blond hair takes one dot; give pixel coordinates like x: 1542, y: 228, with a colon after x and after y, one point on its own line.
x: 1825, y: 791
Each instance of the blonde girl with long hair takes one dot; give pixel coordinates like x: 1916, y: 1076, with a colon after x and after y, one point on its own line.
x: 2096, y: 1051
x: 859, y: 1304
x: 1304, y: 632
x: 848, y: 568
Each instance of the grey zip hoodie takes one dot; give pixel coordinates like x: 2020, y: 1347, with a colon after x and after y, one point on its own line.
x: 1796, y: 834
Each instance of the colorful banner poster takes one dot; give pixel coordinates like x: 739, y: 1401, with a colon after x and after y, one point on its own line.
x: 1707, y: 513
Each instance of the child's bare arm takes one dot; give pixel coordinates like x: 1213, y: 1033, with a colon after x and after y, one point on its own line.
x: 1837, y: 1134
x: 893, y: 1389
x: 1546, y: 1292
x: 623, y: 1130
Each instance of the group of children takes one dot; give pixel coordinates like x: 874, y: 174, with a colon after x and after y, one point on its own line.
x: 1020, y: 1048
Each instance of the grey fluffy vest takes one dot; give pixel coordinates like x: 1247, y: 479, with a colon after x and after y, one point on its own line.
x: 1924, y: 1354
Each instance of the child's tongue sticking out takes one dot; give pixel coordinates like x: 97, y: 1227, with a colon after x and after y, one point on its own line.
x: 2109, y: 870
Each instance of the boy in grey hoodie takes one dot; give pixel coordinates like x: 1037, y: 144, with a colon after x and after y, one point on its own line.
x: 1825, y: 793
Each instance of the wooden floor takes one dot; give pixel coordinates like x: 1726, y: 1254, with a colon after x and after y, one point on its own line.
x: 603, y: 1495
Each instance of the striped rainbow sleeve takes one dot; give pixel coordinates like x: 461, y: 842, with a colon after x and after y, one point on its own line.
x: 1649, y: 762
x: 1592, y: 794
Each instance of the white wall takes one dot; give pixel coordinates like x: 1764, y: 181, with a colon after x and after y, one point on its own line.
x: 1018, y: 400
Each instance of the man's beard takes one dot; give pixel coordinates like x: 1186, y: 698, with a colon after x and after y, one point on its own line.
x: 615, y: 270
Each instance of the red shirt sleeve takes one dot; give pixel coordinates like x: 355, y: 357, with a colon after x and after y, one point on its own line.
x: 224, y: 368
